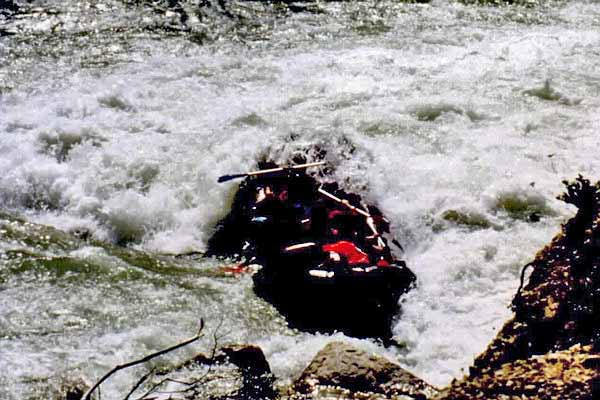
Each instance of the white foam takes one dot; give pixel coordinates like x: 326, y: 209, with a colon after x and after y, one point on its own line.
x: 429, y: 117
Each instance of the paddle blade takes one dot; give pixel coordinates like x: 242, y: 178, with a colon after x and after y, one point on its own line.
x: 226, y: 178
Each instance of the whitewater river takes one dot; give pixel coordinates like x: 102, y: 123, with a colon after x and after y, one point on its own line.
x: 459, y: 121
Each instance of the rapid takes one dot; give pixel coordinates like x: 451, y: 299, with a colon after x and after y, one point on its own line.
x: 459, y: 121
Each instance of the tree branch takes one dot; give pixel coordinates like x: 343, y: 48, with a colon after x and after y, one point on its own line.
x: 139, y: 383
x: 149, y: 357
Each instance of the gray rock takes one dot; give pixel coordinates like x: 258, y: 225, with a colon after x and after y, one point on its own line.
x: 341, y: 365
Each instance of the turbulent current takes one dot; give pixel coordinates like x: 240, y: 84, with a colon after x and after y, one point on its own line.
x: 459, y: 120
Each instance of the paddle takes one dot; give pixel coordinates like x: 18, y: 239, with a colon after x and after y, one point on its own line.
x: 370, y: 222
x: 226, y: 178
x: 344, y: 202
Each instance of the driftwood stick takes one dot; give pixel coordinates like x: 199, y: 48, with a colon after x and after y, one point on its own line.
x: 139, y: 383
x: 152, y: 389
x: 149, y: 357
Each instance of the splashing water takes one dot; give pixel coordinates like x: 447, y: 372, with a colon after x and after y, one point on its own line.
x: 459, y: 121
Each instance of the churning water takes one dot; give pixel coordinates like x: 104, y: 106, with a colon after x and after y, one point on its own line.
x: 459, y: 121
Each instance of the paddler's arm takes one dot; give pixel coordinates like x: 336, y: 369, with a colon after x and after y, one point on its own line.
x: 371, y: 224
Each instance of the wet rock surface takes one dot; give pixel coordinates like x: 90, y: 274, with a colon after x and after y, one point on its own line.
x: 341, y: 365
x: 568, y: 374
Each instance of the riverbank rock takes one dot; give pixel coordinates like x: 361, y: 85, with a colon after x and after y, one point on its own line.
x: 560, y: 305
x: 572, y: 374
x: 248, y: 358
x: 343, y: 366
x: 550, y: 348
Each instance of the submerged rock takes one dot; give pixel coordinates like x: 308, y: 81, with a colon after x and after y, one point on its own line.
x: 341, y: 365
x: 470, y: 220
x: 548, y: 93
x: 33, y: 251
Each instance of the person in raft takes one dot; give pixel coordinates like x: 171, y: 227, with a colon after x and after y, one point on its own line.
x: 346, y: 237
x: 288, y: 213
x: 353, y: 239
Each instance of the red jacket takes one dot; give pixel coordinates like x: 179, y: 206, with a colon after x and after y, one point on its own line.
x: 353, y: 254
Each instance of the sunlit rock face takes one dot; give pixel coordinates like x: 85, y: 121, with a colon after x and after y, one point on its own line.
x: 573, y: 373
x: 345, y: 367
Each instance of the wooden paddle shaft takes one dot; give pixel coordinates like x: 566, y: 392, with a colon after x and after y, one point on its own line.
x: 370, y: 222
x: 346, y: 203
x: 268, y: 171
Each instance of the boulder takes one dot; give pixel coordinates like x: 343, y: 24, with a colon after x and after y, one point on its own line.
x: 344, y: 366
x: 232, y: 372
